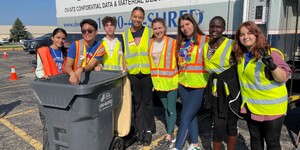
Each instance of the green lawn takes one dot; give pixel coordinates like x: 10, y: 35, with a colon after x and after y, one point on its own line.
x: 11, y: 46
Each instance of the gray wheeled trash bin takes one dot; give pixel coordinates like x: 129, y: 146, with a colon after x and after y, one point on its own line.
x: 80, y: 117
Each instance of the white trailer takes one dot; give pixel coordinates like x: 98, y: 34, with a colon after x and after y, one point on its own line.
x: 277, y: 18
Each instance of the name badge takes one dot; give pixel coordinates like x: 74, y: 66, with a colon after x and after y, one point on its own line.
x: 131, y: 43
x: 81, y: 57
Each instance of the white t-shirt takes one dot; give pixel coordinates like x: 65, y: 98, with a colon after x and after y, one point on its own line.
x: 156, y: 51
x: 111, y: 45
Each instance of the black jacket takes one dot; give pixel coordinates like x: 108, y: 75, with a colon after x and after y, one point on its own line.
x: 233, y: 101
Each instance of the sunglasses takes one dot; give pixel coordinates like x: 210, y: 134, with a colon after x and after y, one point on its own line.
x: 87, y: 31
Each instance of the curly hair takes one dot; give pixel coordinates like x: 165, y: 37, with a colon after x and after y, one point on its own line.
x: 108, y: 19
x: 260, y: 44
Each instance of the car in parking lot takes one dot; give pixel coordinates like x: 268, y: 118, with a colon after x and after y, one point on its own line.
x: 31, y: 45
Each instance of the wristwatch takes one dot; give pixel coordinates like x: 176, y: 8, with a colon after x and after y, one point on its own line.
x: 83, y: 69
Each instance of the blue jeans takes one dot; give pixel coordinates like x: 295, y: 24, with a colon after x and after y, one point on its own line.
x: 191, y: 100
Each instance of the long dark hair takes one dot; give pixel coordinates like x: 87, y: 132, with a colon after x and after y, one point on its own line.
x: 260, y: 43
x: 60, y: 30
x: 181, y: 36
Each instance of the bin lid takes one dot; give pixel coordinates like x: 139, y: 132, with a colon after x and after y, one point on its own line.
x: 58, y: 92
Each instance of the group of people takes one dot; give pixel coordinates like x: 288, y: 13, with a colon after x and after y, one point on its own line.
x: 240, y: 78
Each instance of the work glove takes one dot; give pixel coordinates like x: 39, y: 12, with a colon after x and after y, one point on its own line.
x: 268, y: 60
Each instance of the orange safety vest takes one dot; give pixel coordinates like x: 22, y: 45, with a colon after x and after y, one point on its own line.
x: 49, y: 64
x: 81, y: 52
x: 164, y: 75
x: 193, y: 74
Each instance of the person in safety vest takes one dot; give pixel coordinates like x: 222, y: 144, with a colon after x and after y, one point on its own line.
x: 85, y: 54
x: 114, y: 58
x: 222, y: 94
x: 136, y: 40
x: 164, y: 75
x: 50, y: 61
x: 262, y: 74
x: 192, y: 78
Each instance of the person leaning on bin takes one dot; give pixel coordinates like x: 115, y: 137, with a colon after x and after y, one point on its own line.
x: 85, y: 54
x: 114, y: 60
x: 50, y: 61
x: 262, y: 74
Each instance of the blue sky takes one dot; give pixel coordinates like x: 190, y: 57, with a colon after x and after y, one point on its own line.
x: 30, y: 12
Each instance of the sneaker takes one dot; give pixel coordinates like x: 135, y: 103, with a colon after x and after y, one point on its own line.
x: 192, y: 147
x: 147, y: 138
x: 164, y: 145
x: 140, y: 138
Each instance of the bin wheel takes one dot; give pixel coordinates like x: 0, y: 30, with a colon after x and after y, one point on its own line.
x: 117, y: 144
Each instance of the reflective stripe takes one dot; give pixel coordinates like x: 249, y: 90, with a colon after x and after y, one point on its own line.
x: 80, y: 52
x: 257, y: 80
x: 137, y: 66
x: 200, y: 49
x: 162, y: 72
x: 126, y: 40
x: 267, y: 102
x: 224, y: 53
x: 219, y: 61
x: 112, y: 62
x: 197, y: 68
x: 112, y: 67
x: 169, y: 52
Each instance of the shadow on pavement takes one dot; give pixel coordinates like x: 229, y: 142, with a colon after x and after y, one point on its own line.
x: 6, y: 108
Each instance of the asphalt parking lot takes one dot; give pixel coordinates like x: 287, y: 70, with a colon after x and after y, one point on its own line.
x: 21, y: 129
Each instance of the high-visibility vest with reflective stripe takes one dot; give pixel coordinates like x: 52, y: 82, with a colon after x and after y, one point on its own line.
x: 80, y: 58
x: 164, y: 75
x: 219, y: 62
x: 262, y: 96
x: 194, y: 75
x: 113, y: 62
x: 48, y: 62
x: 136, y: 57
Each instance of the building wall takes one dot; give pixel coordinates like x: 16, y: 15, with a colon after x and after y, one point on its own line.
x: 36, y: 31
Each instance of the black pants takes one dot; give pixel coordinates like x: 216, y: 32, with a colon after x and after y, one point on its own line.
x: 223, y: 126
x: 141, y: 87
x: 268, y: 131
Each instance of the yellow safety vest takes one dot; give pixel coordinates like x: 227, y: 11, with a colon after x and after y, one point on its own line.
x: 193, y: 74
x: 80, y: 58
x: 263, y: 96
x: 164, y: 75
x: 136, y: 56
x: 113, y: 62
x: 219, y: 62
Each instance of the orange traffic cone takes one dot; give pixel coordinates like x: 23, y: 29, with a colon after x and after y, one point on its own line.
x: 4, y: 55
x: 32, y: 69
x: 13, y: 75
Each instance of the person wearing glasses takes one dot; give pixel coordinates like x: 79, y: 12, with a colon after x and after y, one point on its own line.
x: 136, y: 40
x: 85, y: 54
